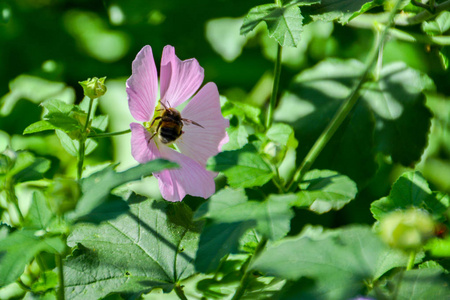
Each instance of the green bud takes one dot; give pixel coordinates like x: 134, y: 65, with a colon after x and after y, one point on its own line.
x: 407, y: 229
x: 63, y: 195
x: 274, y: 152
x: 94, y: 88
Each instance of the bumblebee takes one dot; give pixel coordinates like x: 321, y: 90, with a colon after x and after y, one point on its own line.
x: 170, y: 125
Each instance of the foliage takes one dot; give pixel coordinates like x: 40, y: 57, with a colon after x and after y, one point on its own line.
x: 333, y: 185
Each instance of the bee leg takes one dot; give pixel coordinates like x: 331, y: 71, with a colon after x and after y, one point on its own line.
x: 153, y: 122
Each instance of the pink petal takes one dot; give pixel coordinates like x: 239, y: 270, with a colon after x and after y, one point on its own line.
x: 191, y: 178
x: 142, y: 86
x: 201, y: 143
x: 142, y: 149
x: 179, y: 79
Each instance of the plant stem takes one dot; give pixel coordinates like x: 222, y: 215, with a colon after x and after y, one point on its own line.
x: 108, y: 134
x: 276, y: 82
x: 179, y: 291
x: 60, y: 266
x: 412, y: 258
x: 245, y: 280
x: 344, y: 110
x: 82, y: 141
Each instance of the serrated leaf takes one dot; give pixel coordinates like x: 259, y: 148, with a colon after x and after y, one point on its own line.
x: 343, y: 10
x: 39, y: 214
x: 438, y: 26
x: 153, y: 245
x: 17, y: 250
x: 410, y: 190
x: 243, y: 167
x: 403, y: 120
x: 248, y: 114
x: 238, y: 138
x: 323, y: 190
x: 280, y: 133
x: 284, y: 23
x: 339, y: 261
x: 39, y: 126
x: 97, y: 187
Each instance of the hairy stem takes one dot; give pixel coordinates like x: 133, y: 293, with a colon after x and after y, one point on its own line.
x: 179, y: 291
x: 82, y: 140
x: 245, y: 280
x: 60, y: 266
x: 108, y: 134
x: 344, y: 110
x: 276, y: 82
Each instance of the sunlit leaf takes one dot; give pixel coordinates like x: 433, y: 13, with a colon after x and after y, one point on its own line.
x: 343, y: 11
x: 153, y: 245
x: 438, y: 26
x: 39, y: 215
x: 243, y: 168
x: 323, y: 190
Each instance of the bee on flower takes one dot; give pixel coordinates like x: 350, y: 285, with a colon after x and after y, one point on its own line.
x: 188, y: 137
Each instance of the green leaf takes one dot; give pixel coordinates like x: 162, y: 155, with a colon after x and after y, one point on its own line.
x: 284, y: 23
x: 272, y: 216
x: 314, y: 97
x: 438, y: 26
x: 238, y: 138
x: 218, y: 240
x: 341, y: 262
x: 39, y: 215
x: 39, y: 126
x: 403, y: 120
x: 243, y: 168
x: 72, y: 146
x: 280, y: 133
x: 153, y: 245
x: 96, y: 188
x: 444, y: 55
x: 323, y: 190
x: 410, y: 190
x: 19, y: 248
x: 343, y: 10
x: 248, y: 114
x: 27, y: 167
x: 423, y: 284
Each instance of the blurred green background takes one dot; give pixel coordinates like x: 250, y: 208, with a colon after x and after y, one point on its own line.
x: 47, y: 46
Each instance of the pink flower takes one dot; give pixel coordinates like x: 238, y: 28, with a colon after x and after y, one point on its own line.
x: 203, y: 126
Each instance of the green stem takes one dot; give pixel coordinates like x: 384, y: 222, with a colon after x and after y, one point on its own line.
x: 179, y: 291
x: 344, y: 110
x: 82, y: 140
x: 276, y: 82
x: 422, y: 16
x: 11, y: 197
x: 108, y: 134
x: 412, y: 258
x: 245, y: 280
x: 60, y: 266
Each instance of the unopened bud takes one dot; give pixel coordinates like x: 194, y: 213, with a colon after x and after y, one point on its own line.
x: 275, y: 152
x: 94, y: 88
x: 407, y: 229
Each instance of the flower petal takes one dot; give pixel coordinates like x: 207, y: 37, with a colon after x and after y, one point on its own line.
x: 201, y: 143
x: 142, y: 149
x: 191, y: 178
x: 179, y: 79
x: 142, y: 86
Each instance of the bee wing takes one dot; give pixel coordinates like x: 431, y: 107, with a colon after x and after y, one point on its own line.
x: 189, y: 122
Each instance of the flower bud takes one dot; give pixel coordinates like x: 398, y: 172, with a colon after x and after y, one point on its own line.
x: 274, y: 152
x: 407, y: 229
x: 63, y: 195
x: 94, y: 88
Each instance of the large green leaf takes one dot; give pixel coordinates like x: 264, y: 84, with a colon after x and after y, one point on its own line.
x: 19, y: 248
x: 97, y: 187
x: 410, y: 190
x: 343, y: 10
x: 340, y: 261
x: 153, y: 245
x: 428, y: 283
x: 39, y: 214
x: 403, y: 120
x: 243, y: 168
x: 323, y: 190
x: 28, y: 167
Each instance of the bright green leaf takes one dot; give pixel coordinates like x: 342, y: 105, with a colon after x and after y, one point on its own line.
x: 39, y: 214
x: 343, y: 10
x: 153, y: 245
x: 97, y: 187
x: 243, y: 168
x: 27, y: 167
x: 339, y: 261
x: 438, y: 26
x: 19, y: 248
x: 280, y: 133
x: 323, y: 190
x: 72, y: 146
x: 238, y: 138
x: 410, y: 190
